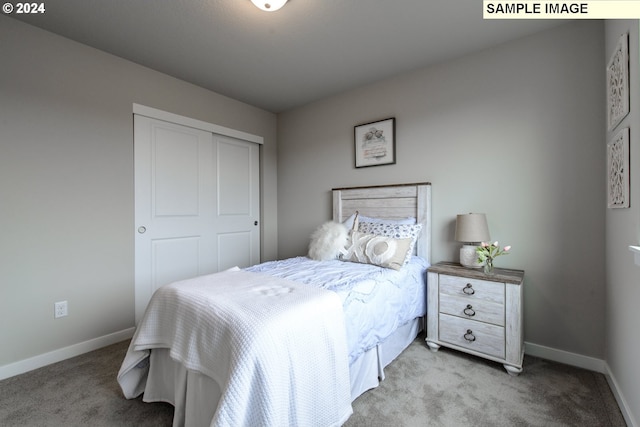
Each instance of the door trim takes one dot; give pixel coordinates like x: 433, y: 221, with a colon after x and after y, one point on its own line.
x: 154, y: 113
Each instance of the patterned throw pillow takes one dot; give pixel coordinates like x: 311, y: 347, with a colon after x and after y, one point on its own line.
x: 350, y: 221
x: 378, y: 250
x: 397, y: 231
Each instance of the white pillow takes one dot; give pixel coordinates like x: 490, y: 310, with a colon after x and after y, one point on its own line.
x: 378, y: 250
x: 397, y: 231
x: 327, y: 241
x: 349, y: 221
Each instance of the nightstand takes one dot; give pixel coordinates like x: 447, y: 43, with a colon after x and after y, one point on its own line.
x: 477, y: 313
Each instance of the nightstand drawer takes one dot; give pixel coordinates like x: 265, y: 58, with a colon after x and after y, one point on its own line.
x: 472, y: 288
x: 472, y: 309
x: 480, y: 337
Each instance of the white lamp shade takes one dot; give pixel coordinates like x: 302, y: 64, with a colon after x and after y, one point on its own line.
x: 472, y: 228
x: 269, y: 5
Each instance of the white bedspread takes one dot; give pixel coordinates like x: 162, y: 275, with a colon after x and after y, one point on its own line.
x: 276, y: 348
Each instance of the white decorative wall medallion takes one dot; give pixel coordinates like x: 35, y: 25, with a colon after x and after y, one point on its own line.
x: 618, y: 170
x: 618, y: 83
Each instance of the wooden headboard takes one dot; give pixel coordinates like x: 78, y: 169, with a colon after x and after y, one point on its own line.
x: 389, y: 202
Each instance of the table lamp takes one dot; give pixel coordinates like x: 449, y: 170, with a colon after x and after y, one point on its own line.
x: 471, y: 230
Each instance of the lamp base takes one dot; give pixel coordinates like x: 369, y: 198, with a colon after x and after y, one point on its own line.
x: 468, y: 257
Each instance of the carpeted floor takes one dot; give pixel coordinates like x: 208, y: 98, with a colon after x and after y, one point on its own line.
x: 450, y: 388
x: 422, y: 388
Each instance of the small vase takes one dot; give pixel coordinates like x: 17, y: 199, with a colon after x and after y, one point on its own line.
x: 488, y: 266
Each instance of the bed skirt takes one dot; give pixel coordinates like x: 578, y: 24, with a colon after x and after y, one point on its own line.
x: 195, y: 396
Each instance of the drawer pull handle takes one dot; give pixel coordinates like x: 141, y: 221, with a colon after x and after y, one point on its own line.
x: 469, y: 336
x: 469, y: 311
x: 468, y: 289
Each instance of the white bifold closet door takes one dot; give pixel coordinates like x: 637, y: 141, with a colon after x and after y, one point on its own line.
x: 196, y: 204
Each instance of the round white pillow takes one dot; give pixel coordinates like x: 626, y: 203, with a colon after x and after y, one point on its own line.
x: 327, y: 241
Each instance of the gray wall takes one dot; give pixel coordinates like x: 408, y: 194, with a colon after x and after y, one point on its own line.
x: 66, y: 183
x: 515, y: 132
x: 622, y: 230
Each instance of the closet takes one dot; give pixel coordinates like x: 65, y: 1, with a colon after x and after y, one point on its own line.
x: 197, y: 200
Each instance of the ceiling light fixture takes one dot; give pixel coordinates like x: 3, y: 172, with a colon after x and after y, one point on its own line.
x: 269, y: 5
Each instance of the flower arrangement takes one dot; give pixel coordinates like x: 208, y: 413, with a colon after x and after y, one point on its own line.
x: 487, y: 252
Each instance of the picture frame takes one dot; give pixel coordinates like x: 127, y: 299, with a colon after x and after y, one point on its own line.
x: 618, y: 83
x: 618, y: 170
x: 375, y: 143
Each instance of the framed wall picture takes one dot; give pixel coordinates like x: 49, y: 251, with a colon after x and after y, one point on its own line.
x: 375, y: 143
x: 618, y: 170
x: 618, y: 83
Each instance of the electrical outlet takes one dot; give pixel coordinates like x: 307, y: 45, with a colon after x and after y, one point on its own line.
x: 60, y: 309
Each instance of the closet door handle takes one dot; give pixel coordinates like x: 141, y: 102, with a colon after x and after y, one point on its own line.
x: 255, y: 223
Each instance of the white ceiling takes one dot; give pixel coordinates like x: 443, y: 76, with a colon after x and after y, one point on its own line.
x: 307, y: 50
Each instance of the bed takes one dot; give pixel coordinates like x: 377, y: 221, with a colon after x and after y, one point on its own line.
x: 275, y: 350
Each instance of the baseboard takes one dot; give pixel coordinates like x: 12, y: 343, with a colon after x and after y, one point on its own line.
x: 568, y: 358
x: 61, y: 354
x: 622, y: 402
